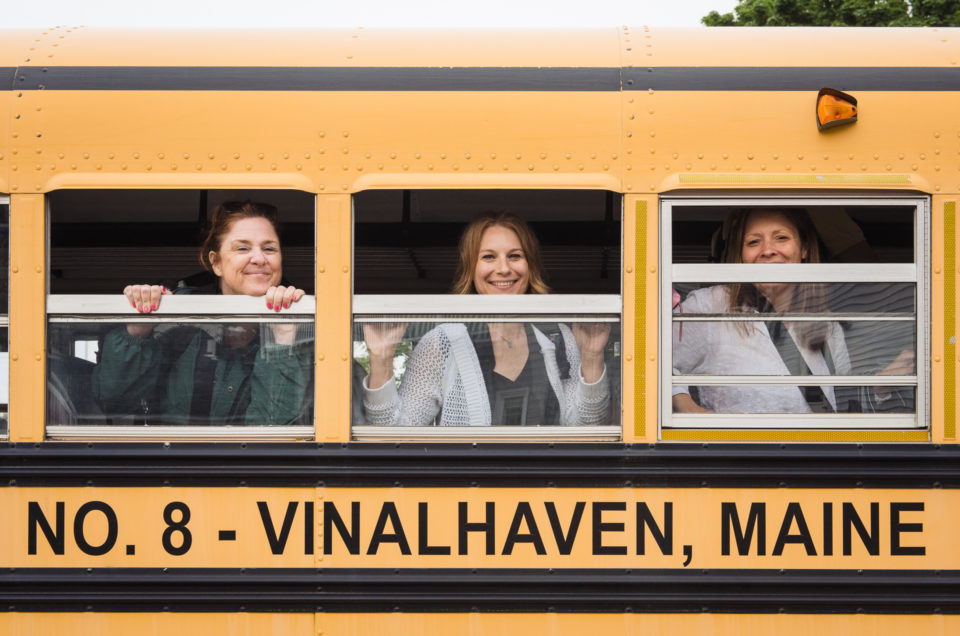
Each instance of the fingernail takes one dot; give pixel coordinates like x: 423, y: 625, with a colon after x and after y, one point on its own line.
x: 277, y: 308
x: 269, y: 306
x: 286, y: 305
x: 154, y: 308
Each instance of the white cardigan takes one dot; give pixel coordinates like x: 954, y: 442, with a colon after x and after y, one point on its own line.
x: 443, y: 376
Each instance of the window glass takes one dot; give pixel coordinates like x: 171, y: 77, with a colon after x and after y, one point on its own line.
x: 763, y: 296
x: 209, y: 352
x: 180, y: 373
x: 549, y: 386
x: 436, y: 342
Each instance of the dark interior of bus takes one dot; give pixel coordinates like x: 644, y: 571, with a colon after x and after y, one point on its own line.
x: 405, y: 241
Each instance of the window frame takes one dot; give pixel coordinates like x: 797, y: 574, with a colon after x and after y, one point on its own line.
x: 5, y: 317
x: 113, y: 308
x: 915, y: 273
x: 476, y: 308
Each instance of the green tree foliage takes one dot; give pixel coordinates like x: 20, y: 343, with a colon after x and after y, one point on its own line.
x: 839, y: 13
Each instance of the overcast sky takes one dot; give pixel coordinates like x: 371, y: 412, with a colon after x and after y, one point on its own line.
x: 352, y: 13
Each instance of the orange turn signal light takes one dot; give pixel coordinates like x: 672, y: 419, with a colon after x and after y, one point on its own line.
x: 835, y: 108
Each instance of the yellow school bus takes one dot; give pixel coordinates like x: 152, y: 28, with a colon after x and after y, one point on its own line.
x: 630, y: 152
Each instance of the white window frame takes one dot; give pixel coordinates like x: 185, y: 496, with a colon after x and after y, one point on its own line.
x: 486, y: 308
x: 915, y: 273
x: 114, y: 308
x: 190, y: 308
x: 5, y: 324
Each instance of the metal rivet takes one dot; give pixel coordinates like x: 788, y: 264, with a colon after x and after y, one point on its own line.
x: 161, y: 155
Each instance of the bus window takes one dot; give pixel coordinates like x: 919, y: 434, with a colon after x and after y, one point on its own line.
x: 4, y: 321
x: 199, y: 348
x: 522, y: 340
x: 793, y: 313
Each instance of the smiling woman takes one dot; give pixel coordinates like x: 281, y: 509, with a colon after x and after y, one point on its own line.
x: 496, y: 373
x: 168, y: 371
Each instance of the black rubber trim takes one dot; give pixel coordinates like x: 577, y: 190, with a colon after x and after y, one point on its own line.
x: 789, y: 78
x: 457, y: 465
x: 483, y: 590
x: 286, y: 78
x: 529, y: 79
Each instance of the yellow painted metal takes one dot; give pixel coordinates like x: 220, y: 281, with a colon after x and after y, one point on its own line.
x: 126, y: 624
x: 563, y: 624
x: 28, y: 275
x: 333, y: 342
x: 345, y: 48
x: 150, y: 528
x: 640, y: 243
x: 780, y: 179
x: 790, y: 46
x: 643, y: 308
x: 720, y: 435
x: 768, y: 139
x: 472, y: 624
x: 319, y: 142
x: 949, y: 321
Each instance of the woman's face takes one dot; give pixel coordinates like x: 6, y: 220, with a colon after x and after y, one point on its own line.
x: 501, y: 265
x: 770, y: 237
x: 249, y: 261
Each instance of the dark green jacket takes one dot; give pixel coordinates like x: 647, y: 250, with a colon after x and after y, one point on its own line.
x: 187, y: 374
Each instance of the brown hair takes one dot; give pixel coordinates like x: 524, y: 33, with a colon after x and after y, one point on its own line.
x: 807, y: 297
x: 224, y: 216
x: 470, y: 251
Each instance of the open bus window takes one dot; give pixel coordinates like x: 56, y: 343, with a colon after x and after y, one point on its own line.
x: 503, y: 349
x: 4, y: 319
x: 793, y: 314
x: 210, y: 353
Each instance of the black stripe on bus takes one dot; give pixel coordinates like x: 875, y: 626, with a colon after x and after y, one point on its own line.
x: 530, y: 79
x: 479, y: 590
x: 920, y: 466
x: 719, y: 78
x: 251, y: 78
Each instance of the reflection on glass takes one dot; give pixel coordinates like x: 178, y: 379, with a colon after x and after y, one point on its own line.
x: 819, y: 399
x: 789, y: 337
x: 837, y: 298
x: 181, y: 374
x: 783, y: 347
x: 488, y: 374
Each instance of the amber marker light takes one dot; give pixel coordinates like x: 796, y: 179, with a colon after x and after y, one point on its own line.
x: 835, y: 108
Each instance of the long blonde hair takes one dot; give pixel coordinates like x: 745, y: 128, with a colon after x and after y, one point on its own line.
x: 469, y: 251
x: 807, y: 297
